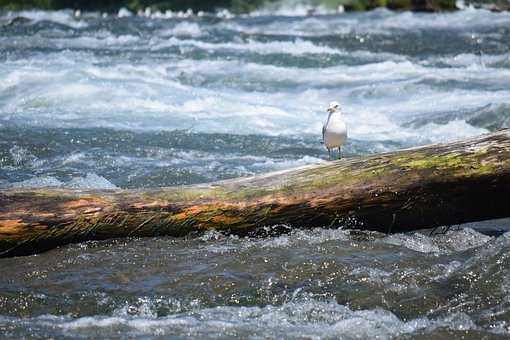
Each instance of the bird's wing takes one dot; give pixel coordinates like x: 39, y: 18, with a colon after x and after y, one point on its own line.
x: 324, y: 128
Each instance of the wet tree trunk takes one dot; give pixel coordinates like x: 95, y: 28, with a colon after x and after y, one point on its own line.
x: 441, y: 184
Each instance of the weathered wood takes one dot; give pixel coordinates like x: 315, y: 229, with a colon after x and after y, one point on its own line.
x: 428, y: 186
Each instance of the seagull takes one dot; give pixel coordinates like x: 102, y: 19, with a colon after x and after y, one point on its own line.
x: 334, y: 130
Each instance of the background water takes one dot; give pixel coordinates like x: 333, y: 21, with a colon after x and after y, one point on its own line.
x: 137, y: 102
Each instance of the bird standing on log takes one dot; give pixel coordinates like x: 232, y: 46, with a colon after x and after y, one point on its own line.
x: 334, y: 130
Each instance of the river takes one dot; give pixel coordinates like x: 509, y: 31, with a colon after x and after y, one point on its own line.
x: 132, y: 102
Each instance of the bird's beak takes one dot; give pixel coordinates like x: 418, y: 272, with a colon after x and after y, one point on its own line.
x: 330, y: 110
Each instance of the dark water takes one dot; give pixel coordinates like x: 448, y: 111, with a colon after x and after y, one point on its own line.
x: 307, y: 284
x: 136, y: 102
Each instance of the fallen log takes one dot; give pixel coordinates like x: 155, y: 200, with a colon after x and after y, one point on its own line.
x: 442, y: 184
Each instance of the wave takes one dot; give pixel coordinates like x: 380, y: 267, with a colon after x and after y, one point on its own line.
x: 318, y: 282
x: 90, y: 181
x: 74, y: 89
x: 182, y: 29
x: 63, y: 17
x: 379, y: 19
x: 294, y: 9
x: 303, y: 317
x: 380, y: 22
x: 296, y: 47
x: 491, y: 117
x: 449, y: 242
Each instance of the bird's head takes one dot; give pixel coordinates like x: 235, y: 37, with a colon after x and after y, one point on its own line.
x: 333, y: 107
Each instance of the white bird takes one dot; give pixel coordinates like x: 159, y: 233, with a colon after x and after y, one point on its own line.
x: 334, y: 130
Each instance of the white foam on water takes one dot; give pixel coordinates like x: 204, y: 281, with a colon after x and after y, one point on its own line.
x: 451, y: 241
x: 456, y: 129
x: 145, y: 307
x: 182, y: 29
x: 414, y: 241
x: 246, y: 93
x: 294, y: 239
x: 90, y: 181
x: 306, y: 317
x: 474, y: 62
x: 297, y: 47
x: 375, y: 96
x: 292, y: 9
x: 464, y: 19
x: 372, y: 73
x: 379, y: 22
x: 37, y: 182
x: 445, y: 270
x: 372, y: 275
x: 22, y: 157
x: 286, y: 164
x: 124, y: 12
x: 96, y: 41
x: 77, y: 157
x: 64, y: 17
x: 204, y: 163
x: 463, y: 239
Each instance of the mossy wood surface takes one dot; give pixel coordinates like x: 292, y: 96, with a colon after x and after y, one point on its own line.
x: 441, y: 184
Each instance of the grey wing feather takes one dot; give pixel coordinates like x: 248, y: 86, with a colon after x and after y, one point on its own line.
x: 324, y: 128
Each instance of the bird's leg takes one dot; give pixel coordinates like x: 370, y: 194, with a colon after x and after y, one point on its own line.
x: 329, y: 153
x: 339, y: 152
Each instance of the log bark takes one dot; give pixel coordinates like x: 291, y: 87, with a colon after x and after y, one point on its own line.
x: 442, y: 184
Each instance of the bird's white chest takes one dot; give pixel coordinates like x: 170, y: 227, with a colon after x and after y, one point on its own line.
x: 335, y: 133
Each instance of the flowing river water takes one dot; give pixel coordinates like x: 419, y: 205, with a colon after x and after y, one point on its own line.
x: 135, y: 102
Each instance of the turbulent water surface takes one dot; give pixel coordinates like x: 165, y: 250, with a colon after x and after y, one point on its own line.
x: 136, y: 102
